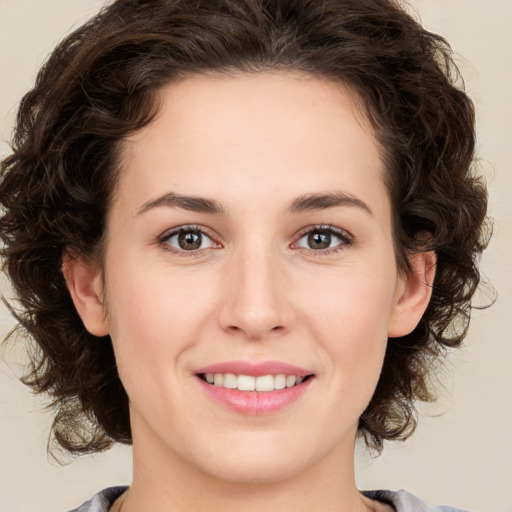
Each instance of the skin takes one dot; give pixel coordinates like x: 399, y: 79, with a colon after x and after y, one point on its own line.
x: 255, y: 290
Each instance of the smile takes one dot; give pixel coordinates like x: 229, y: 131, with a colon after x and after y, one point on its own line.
x: 255, y: 389
x: 262, y: 383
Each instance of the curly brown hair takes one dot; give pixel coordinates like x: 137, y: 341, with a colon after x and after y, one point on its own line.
x: 100, y: 84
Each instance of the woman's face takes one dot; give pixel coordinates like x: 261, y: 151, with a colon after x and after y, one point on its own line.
x: 250, y: 236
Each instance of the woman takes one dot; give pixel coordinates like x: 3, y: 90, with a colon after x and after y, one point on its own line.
x: 243, y: 233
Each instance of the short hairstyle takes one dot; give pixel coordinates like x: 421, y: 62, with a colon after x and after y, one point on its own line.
x: 100, y: 85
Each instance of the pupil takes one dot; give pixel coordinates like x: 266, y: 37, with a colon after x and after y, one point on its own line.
x: 189, y: 240
x: 319, y: 240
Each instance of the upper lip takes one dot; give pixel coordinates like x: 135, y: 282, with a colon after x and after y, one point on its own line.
x: 255, y: 369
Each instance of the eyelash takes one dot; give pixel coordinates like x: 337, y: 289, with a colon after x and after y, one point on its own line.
x: 345, y: 240
x: 163, y: 240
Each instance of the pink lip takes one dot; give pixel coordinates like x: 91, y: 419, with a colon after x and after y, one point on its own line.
x: 256, y: 369
x: 255, y: 403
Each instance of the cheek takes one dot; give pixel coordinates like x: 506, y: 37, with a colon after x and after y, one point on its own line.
x: 350, y: 320
x: 153, y: 325
x: 351, y: 304
x: 153, y: 314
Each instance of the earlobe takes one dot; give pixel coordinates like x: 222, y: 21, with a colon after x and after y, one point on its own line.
x: 84, y: 282
x: 413, y: 294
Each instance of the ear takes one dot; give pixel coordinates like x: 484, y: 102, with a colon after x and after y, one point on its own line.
x: 85, y: 285
x: 412, y: 294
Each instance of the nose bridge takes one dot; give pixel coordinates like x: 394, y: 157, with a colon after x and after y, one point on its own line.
x: 256, y: 303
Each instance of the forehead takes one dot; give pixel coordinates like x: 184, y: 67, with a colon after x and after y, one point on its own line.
x: 218, y: 134
x: 272, y: 99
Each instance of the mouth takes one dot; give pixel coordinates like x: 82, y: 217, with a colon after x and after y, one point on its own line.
x: 262, y: 383
x: 255, y: 389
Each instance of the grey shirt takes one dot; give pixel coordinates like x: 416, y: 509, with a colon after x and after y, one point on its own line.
x: 402, y: 501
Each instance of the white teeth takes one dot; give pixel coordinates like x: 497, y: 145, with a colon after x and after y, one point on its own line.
x: 246, y: 383
x: 279, y: 381
x: 230, y: 381
x: 250, y: 383
x: 290, y: 381
x: 265, y: 383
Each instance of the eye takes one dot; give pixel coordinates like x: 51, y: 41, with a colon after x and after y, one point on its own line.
x: 188, y: 239
x: 323, y: 239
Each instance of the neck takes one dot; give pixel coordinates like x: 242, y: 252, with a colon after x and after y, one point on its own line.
x: 163, y: 481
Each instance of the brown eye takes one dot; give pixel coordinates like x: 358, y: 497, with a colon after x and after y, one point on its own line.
x: 324, y: 239
x: 188, y: 239
x: 319, y: 240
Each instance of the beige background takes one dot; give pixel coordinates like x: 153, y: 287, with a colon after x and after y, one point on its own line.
x: 462, y: 451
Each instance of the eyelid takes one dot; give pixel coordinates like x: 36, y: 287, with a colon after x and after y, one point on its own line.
x: 347, y: 239
x: 342, y: 233
x: 169, y: 233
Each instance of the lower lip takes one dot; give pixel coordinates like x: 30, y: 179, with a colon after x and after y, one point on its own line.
x: 256, y: 403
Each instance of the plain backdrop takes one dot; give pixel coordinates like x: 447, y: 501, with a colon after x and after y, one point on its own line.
x: 461, y: 453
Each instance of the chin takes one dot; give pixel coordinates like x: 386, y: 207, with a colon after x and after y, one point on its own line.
x: 257, y: 472
x: 258, y: 462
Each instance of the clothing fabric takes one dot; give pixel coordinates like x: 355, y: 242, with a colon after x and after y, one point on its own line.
x: 401, y: 501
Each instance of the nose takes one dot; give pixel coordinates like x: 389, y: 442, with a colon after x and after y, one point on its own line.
x: 256, y: 301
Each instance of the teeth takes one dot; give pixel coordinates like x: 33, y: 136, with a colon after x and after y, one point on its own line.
x: 265, y: 383
x: 290, y: 381
x: 246, y: 383
x: 230, y: 381
x: 250, y: 383
x: 279, y: 382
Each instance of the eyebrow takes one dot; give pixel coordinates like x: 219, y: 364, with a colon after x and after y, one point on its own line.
x: 305, y: 203
x: 191, y: 203
x: 312, y: 202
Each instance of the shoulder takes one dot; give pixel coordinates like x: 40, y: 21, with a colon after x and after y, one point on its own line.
x: 102, y: 501
x: 404, y: 501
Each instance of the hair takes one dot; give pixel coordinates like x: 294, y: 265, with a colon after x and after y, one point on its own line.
x: 100, y: 85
